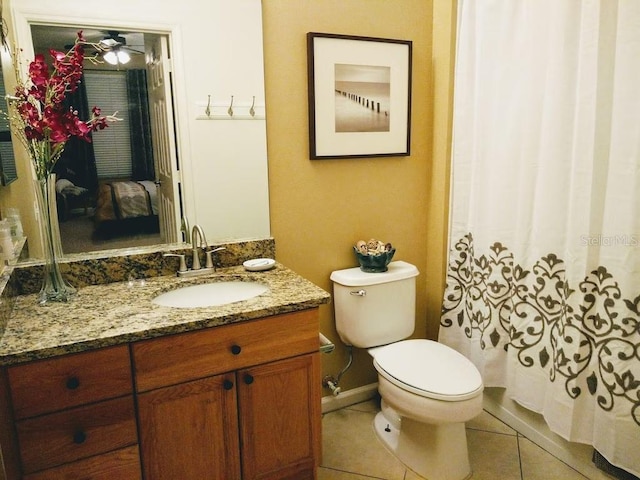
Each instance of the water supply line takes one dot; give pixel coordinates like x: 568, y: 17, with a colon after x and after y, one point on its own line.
x: 331, y: 382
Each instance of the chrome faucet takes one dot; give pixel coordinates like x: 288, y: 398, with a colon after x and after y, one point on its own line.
x: 198, y: 241
x: 197, y: 234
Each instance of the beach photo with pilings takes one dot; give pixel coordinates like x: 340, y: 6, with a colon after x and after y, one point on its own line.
x: 362, y: 98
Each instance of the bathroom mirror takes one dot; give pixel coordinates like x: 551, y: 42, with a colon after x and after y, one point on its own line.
x: 108, y: 191
x: 218, y: 162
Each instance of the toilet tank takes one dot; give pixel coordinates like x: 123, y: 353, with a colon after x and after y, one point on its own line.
x: 373, y: 309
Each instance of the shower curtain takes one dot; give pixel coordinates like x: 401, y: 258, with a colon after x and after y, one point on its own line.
x: 543, y: 279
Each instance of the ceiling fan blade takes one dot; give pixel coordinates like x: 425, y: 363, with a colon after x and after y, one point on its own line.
x: 132, y: 50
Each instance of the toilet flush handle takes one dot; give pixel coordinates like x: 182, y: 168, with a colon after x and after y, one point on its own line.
x: 359, y: 293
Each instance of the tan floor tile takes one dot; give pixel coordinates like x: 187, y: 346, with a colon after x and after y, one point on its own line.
x: 493, y: 456
x: 353, y: 452
x: 349, y: 444
x: 488, y: 423
x: 329, y: 474
x: 538, y: 464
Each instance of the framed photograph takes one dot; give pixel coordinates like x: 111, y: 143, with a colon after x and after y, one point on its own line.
x: 359, y: 96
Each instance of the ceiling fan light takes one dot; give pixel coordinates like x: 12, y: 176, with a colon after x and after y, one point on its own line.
x: 111, y: 57
x: 123, y: 57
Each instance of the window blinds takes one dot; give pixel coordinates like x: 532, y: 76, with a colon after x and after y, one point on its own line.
x: 112, y: 146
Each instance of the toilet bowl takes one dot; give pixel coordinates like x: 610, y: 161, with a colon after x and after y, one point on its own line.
x: 428, y: 392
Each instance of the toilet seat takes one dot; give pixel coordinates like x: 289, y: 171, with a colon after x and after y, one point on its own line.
x: 429, y: 369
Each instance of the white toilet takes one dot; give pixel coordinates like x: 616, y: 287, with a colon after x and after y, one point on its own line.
x: 428, y: 390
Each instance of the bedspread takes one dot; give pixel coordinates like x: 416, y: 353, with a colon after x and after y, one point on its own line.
x: 124, y: 200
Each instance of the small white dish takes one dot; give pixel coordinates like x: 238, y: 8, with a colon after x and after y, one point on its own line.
x: 259, y: 264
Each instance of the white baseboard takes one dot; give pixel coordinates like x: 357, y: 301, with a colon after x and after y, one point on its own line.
x: 349, y: 397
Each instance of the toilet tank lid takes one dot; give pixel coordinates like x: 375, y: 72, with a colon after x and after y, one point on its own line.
x: 354, y: 277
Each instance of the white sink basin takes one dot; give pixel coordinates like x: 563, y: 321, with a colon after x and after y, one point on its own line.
x: 210, y: 294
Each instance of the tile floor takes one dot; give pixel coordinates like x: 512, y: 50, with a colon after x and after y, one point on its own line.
x: 351, y: 451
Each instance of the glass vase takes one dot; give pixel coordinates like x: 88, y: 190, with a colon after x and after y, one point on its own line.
x: 54, y: 287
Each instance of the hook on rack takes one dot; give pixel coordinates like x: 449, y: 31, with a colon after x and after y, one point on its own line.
x: 252, y: 111
x: 230, y: 110
x: 207, y: 110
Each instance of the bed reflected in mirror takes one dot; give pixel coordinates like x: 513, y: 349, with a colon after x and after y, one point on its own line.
x: 123, y: 214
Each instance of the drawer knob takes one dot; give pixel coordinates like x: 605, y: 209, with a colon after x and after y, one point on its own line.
x: 73, y: 383
x: 79, y: 437
x: 236, y: 349
x: 227, y: 384
x: 248, y: 379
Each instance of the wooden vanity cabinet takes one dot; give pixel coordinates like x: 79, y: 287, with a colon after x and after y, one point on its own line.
x: 239, y: 401
x: 234, y: 402
x: 74, y: 416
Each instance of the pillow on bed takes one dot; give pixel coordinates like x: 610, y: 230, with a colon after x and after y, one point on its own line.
x: 66, y: 187
x: 62, y: 184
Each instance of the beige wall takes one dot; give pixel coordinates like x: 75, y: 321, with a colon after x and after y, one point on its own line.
x: 320, y: 208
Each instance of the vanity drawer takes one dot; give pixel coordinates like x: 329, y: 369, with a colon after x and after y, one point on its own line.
x: 78, y: 433
x: 46, y: 386
x: 120, y: 464
x: 189, y: 356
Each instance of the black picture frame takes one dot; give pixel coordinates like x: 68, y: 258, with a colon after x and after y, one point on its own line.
x: 359, y: 91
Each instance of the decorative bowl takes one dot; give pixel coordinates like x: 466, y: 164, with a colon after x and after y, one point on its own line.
x: 374, y: 263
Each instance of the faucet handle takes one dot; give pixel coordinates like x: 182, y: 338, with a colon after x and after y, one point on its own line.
x: 183, y: 264
x: 209, y: 256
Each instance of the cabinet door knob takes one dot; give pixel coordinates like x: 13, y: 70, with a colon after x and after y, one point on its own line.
x: 248, y: 379
x: 73, y: 383
x: 236, y: 349
x: 227, y: 384
x: 79, y: 437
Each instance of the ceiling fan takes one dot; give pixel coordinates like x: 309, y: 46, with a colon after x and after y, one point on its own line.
x: 115, y: 50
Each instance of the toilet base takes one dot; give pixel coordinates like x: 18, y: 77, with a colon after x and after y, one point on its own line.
x: 435, y: 452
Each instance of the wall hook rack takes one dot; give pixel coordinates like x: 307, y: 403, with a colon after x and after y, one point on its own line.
x: 237, y: 108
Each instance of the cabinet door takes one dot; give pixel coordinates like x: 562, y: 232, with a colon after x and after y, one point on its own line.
x: 280, y: 418
x: 190, y: 430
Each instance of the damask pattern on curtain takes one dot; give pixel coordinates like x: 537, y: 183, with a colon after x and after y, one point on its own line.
x: 543, y: 282
x: 142, y: 167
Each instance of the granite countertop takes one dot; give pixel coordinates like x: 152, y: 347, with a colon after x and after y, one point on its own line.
x: 122, y: 312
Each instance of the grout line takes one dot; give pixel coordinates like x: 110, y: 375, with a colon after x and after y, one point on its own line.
x: 551, y: 454
x: 475, y: 429
x: 519, y: 457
